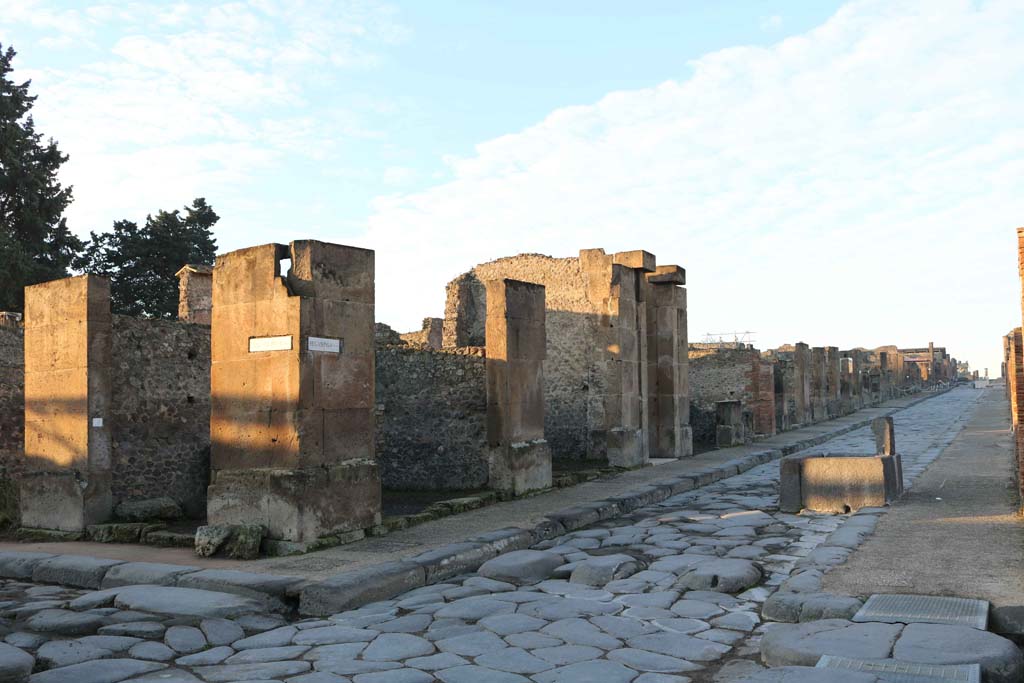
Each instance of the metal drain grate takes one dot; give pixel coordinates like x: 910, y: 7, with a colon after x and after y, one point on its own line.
x: 924, y: 609
x: 894, y: 671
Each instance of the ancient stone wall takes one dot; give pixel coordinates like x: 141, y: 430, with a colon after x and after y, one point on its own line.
x: 431, y: 418
x: 195, y: 293
x: 571, y: 329
x: 160, y: 411
x: 12, y: 418
x: 430, y: 336
x: 724, y: 372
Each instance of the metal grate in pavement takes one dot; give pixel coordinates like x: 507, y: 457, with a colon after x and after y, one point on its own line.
x: 924, y: 609
x: 895, y: 671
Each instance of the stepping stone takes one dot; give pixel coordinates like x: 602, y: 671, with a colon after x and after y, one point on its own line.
x: 521, y: 567
x: 723, y: 576
x: 1000, y: 659
x: 895, y: 671
x: 924, y: 609
x: 804, y: 644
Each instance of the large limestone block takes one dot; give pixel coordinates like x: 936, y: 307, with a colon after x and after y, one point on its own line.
x: 839, y: 483
x: 63, y: 501
x: 298, y: 505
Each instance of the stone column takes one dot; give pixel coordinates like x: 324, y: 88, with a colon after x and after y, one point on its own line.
x: 66, y: 484
x: 802, y: 377
x: 195, y: 294
x: 833, y: 384
x: 885, y: 435
x: 519, y: 458
x: 668, y: 399
x: 292, y: 384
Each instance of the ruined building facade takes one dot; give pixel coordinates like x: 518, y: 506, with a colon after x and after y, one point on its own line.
x: 615, y: 388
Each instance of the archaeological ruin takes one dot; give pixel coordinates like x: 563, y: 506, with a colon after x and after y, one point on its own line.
x: 276, y: 402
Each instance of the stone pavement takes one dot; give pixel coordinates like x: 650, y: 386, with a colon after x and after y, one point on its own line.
x: 671, y: 592
x: 523, y: 513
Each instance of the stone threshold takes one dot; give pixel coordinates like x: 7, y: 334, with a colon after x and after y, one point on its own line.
x: 381, y: 581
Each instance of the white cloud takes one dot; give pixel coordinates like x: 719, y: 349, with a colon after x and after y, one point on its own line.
x: 855, y: 185
x: 178, y: 100
x: 772, y: 23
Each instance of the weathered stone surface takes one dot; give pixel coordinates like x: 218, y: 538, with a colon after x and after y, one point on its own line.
x: 135, y: 629
x: 804, y: 644
x: 1001, y: 660
x: 267, y: 654
x: 99, y: 671
x: 19, y: 565
x: 67, y: 652
x: 806, y: 674
x: 73, y: 570
x: 185, y: 601
x: 150, y: 573
x: 353, y: 589
x: 153, y: 651
x: 185, y: 639
x: 64, y: 622
x: 681, y: 646
x: 521, y: 567
x: 148, y: 509
x: 15, y: 664
x: 244, y: 543
x: 211, y: 538
x: 598, y: 571
x: 598, y: 670
x: 392, y: 647
x: 262, y: 587
x: 221, y: 631
x: 226, y: 673
x: 725, y: 576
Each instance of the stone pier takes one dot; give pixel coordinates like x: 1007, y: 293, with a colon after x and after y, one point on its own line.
x: 66, y: 484
x: 518, y: 455
x: 292, y: 383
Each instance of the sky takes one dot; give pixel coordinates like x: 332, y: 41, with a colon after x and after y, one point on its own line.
x: 844, y: 174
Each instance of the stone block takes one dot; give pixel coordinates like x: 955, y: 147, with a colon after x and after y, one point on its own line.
x: 520, y: 467
x: 63, y: 501
x: 353, y: 589
x: 149, y: 573
x: 298, y: 504
x: 73, y: 570
x: 885, y: 435
x: 19, y: 565
x: 667, y: 275
x: 643, y: 260
x: 838, y: 483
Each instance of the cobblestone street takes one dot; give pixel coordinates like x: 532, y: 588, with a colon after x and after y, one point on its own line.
x: 670, y: 593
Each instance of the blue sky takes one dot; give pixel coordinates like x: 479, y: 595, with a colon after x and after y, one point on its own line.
x: 839, y: 173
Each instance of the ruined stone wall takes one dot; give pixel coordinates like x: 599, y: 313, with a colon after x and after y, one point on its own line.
x: 431, y: 418
x: 160, y: 411
x: 12, y: 418
x: 571, y: 331
x: 430, y: 336
x: 730, y: 372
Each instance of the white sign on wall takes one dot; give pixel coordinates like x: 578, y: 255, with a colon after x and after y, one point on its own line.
x: 257, y: 344
x: 324, y: 344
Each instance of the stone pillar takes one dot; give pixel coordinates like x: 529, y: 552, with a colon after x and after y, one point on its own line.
x: 729, y: 423
x: 833, y: 384
x: 668, y: 399
x: 802, y: 377
x: 292, y: 384
x: 885, y: 435
x: 66, y: 484
x: 519, y: 458
x: 195, y: 294
x: 819, y: 384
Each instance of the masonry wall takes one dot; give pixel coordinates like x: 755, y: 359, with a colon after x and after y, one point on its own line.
x: 160, y: 411
x: 431, y: 418
x: 730, y: 373
x: 571, y: 329
x: 12, y: 418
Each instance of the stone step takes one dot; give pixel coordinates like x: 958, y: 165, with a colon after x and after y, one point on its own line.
x: 924, y: 609
x: 895, y: 671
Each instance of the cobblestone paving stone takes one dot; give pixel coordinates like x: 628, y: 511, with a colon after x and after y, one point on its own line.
x: 667, y: 594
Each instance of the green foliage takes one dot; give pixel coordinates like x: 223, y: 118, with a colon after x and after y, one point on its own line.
x: 35, y: 243
x: 141, y: 262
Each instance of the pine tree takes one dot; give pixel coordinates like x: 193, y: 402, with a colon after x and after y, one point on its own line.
x: 141, y: 262
x: 35, y: 243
